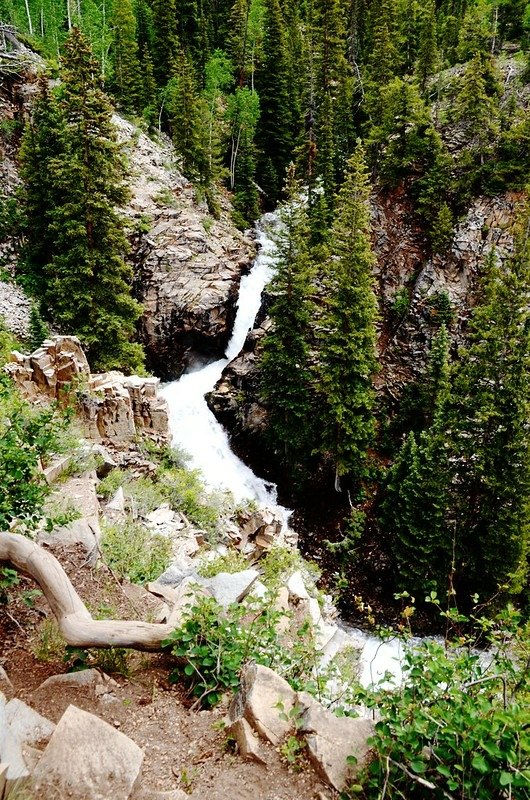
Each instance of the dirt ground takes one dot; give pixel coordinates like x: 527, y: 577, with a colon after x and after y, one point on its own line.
x: 183, y: 748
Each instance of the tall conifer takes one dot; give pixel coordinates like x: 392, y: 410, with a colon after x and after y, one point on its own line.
x: 348, y: 336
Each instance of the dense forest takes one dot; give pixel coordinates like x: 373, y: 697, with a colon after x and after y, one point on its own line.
x: 322, y: 111
x: 315, y: 105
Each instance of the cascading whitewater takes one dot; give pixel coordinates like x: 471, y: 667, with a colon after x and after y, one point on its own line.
x: 192, y: 424
x: 196, y: 430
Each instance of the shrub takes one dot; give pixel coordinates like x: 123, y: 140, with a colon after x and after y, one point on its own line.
x: 134, y: 552
x: 455, y: 728
x: 28, y: 436
x: 213, y: 643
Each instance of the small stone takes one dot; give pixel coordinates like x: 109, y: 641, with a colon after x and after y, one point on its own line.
x: 296, y: 587
x: 248, y: 744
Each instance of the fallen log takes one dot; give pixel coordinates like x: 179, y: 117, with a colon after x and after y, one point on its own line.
x: 75, y: 622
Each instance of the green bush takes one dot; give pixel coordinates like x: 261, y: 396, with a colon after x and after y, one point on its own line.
x: 456, y: 729
x: 28, y: 437
x: 134, y: 552
x: 213, y: 643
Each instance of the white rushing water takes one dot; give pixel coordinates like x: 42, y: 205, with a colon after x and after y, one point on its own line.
x: 192, y: 424
x: 195, y: 429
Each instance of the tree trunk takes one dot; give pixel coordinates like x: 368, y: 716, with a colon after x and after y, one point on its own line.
x: 74, y: 620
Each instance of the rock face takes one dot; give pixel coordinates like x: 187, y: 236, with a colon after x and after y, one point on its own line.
x: 113, y: 406
x: 187, y: 264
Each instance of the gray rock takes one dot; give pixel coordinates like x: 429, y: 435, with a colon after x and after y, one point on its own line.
x: 79, y: 531
x: 247, y: 743
x: 72, y: 680
x: 10, y: 749
x: 296, y: 587
x: 265, y: 700
x: 117, y: 502
x: 26, y: 724
x: 230, y: 588
x: 88, y: 758
x: 331, y: 740
x: 174, y: 575
x: 105, y: 462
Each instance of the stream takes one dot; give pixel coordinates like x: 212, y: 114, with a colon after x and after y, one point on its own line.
x: 196, y: 430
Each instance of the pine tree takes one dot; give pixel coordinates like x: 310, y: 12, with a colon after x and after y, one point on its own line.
x: 285, y: 368
x: 427, y: 50
x: 477, y: 104
x: 126, y: 81
x: 43, y: 144
x: 166, y: 46
x: 416, y: 499
x: 185, y: 112
x: 488, y: 424
x: 348, y: 337
x: 274, y: 135
x: 86, y: 286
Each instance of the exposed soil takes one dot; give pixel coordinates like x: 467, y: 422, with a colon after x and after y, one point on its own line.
x: 183, y: 748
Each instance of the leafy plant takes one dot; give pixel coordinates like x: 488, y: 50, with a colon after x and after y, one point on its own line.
x: 231, y: 562
x: 213, y: 643
x: 456, y: 728
x: 8, y: 579
x: 134, y: 552
x: 49, y: 644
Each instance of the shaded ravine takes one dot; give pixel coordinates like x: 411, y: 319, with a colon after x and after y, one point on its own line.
x: 195, y: 429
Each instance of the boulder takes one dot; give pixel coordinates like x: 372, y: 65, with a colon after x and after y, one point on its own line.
x: 88, y: 758
x: 296, y: 587
x: 228, y: 588
x: 10, y: 750
x: 266, y: 701
x: 73, y: 680
x: 332, y: 740
x: 27, y: 725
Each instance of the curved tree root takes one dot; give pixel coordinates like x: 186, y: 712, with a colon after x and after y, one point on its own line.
x: 75, y: 621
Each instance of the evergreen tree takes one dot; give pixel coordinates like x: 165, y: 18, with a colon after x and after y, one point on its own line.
x: 86, y: 282
x: 285, y: 369
x: 488, y: 425
x: 427, y: 50
x: 348, y: 337
x: 243, y: 114
x: 186, y: 112
x: 43, y: 145
x: 126, y: 80
x: 274, y: 135
x: 166, y: 46
x: 477, y: 103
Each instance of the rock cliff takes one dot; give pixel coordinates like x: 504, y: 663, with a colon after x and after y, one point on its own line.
x: 187, y: 264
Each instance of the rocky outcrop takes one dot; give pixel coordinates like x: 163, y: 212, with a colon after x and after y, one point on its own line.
x: 337, y: 747
x: 111, y: 405
x: 87, y: 757
x: 187, y: 264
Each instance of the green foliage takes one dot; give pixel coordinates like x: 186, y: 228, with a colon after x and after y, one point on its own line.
x: 134, y: 552
x: 38, y: 329
x: 286, y: 375
x: 231, y: 562
x: 347, y: 338
x: 48, y: 643
x: 28, y: 436
x: 213, y: 643
x: 74, y: 180
x: 455, y: 729
x: 8, y: 579
x: 8, y: 342
x: 279, y: 563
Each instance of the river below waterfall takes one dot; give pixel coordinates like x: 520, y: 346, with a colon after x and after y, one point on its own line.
x: 195, y: 429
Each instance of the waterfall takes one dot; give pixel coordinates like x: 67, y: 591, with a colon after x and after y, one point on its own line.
x: 195, y: 429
